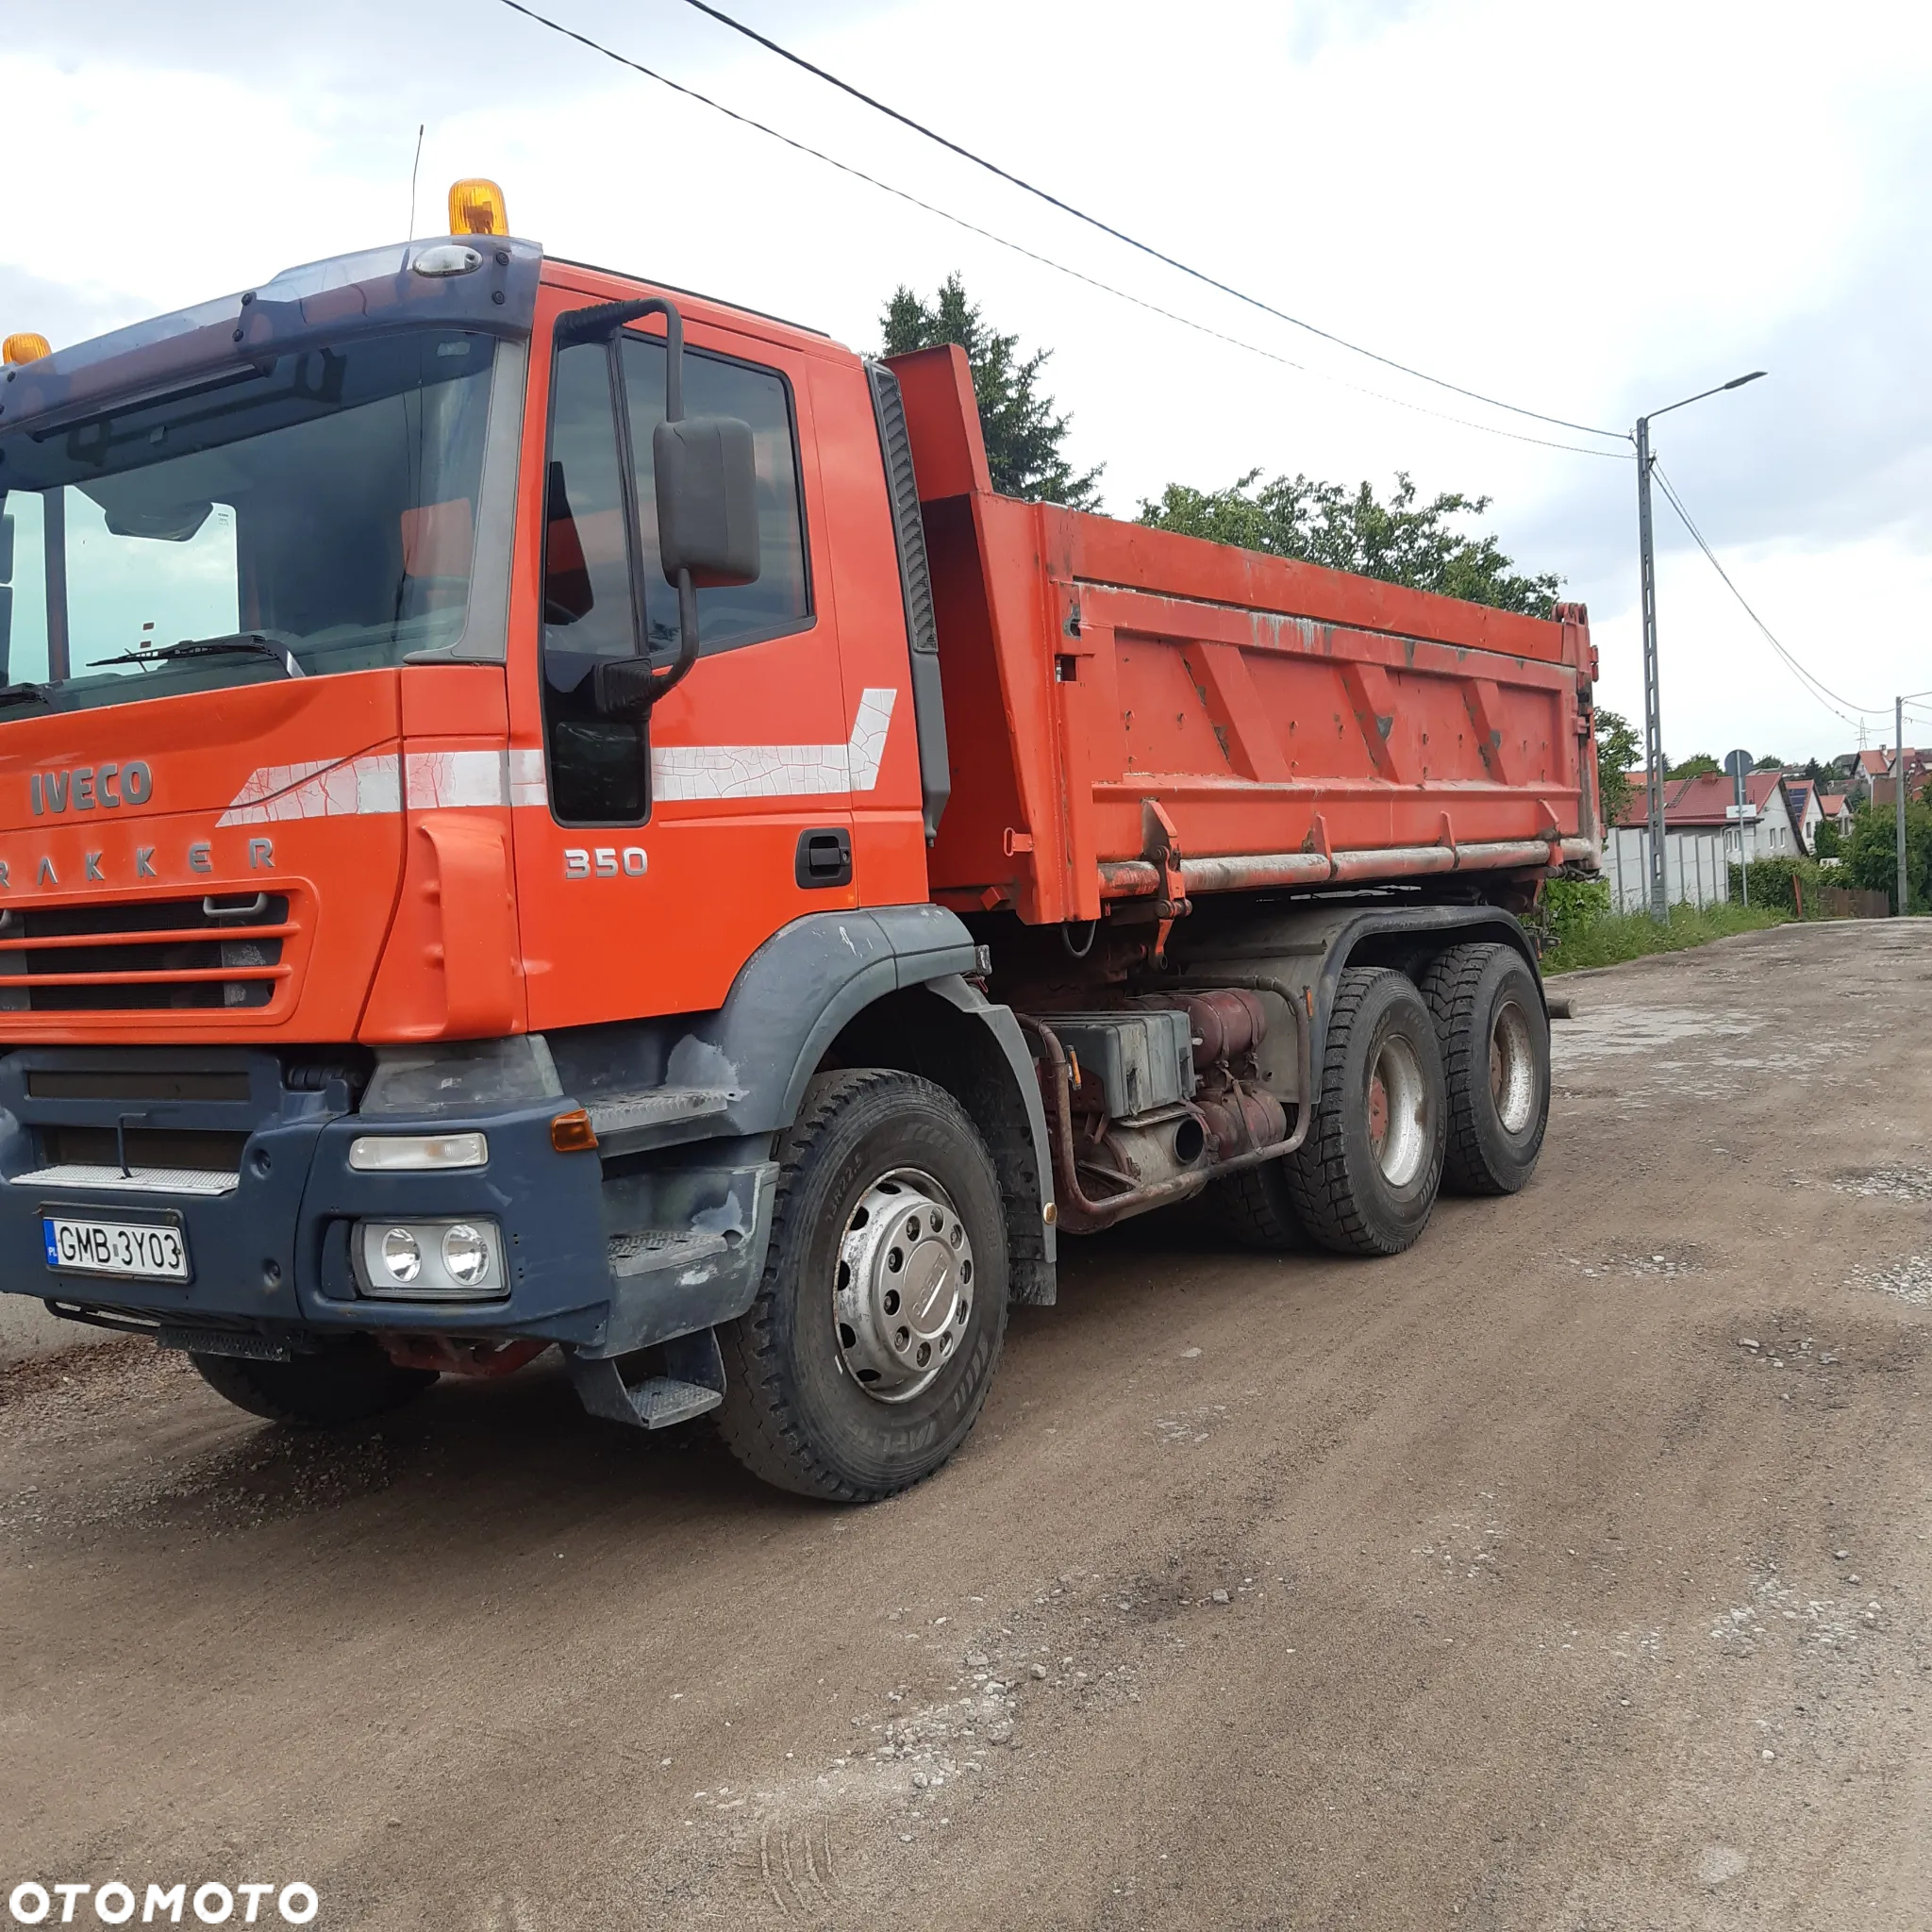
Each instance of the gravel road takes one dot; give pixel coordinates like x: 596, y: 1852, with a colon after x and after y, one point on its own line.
x: 1571, y: 1571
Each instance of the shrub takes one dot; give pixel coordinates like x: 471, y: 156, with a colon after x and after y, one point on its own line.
x: 1781, y: 885
x: 1570, y: 908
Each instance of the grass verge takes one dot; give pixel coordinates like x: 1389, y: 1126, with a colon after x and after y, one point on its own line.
x: 1617, y: 937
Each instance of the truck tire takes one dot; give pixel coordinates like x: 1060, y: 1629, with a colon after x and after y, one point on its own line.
x: 1255, y: 1208
x: 1495, y: 1042
x: 865, y: 1359
x: 1365, y: 1179
x: 342, y: 1383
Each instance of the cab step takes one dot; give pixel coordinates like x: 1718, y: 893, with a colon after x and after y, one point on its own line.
x: 691, y: 1383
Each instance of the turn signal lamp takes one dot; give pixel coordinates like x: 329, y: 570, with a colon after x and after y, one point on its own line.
x: 24, y: 347
x: 477, y: 208
x: 572, y: 1133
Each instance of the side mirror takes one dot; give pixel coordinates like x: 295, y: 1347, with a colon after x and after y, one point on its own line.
x: 707, y: 516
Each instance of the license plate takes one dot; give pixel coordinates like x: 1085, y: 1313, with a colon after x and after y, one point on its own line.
x: 140, y: 1250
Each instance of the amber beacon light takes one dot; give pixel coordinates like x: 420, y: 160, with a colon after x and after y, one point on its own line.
x: 477, y: 208
x: 24, y: 347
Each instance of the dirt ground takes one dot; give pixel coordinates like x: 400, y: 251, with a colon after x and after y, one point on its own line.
x: 1571, y: 1571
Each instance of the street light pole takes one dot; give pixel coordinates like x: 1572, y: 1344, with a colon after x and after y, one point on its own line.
x: 1898, y: 758
x: 1653, y: 714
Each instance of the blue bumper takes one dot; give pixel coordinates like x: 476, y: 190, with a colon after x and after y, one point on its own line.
x: 272, y: 1250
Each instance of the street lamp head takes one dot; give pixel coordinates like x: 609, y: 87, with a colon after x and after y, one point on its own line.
x: 1738, y: 381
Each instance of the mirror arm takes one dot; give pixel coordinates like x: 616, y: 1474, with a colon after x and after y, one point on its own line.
x: 601, y: 323
x: 686, y: 639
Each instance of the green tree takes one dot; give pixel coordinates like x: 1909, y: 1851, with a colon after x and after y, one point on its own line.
x: 1403, y: 541
x: 1617, y: 752
x: 1026, y: 439
x: 1871, y: 853
x: 1827, y: 842
x: 1694, y: 767
x: 1772, y: 763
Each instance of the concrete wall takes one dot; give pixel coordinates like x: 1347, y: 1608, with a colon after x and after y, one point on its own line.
x: 1696, y: 868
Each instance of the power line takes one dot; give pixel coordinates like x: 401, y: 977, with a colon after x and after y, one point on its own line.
x: 1815, y: 687
x: 1119, y: 235
x: 1045, y: 260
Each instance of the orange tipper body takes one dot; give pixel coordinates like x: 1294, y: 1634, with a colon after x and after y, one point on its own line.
x: 483, y: 739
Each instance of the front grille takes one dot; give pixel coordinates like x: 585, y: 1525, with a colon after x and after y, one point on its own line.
x: 144, y: 1147
x: 144, y: 954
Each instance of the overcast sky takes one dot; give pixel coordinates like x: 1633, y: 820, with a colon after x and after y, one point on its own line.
x: 1590, y: 210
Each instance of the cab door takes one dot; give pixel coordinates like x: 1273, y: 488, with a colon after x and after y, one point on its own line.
x: 656, y: 851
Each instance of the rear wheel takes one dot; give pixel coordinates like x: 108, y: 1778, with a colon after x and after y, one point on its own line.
x: 867, y: 1355
x: 1495, y: 1042
x: 1254, y: 1208
x: 1365, y: 1179
x: 343, y: 1382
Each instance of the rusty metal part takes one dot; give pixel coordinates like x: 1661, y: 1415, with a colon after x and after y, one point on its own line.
x: 1244, y: 1116
x: 447, y: 1356
x: 1139, y: 879
x: 1227, y: 1023
x: 1079, y: 1213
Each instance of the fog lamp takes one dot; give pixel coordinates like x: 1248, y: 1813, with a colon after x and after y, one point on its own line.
x: 402, y: 1255
x: 465, y: 1254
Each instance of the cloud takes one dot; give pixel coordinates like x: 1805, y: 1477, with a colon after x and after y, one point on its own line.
x: 1590, y: 211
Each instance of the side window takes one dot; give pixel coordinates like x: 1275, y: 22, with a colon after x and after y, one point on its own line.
x: 597, y: 764
x: 781, y: 600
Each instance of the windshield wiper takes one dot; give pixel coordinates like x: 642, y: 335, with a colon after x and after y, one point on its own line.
x: 254, y: 642
x: 21, y: 693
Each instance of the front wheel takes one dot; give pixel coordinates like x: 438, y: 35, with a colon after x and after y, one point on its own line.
x: 1365, y: 1179
x: 867, y: 1355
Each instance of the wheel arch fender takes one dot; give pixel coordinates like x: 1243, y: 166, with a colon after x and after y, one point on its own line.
x: 947, y: 1032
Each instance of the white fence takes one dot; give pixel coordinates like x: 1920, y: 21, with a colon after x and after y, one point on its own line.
x: 1696, y: 868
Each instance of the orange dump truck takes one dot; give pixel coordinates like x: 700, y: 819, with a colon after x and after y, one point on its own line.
x: 542, y: 810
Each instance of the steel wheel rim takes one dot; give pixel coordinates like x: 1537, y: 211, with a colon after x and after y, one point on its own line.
x: 1512, y: 1067
x: 903, y: 1288
x: 1398, y: 1111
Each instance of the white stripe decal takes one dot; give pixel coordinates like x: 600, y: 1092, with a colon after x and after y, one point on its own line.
x: 372, y: 785
x: 438, y: 780
x: 351, y: 787
x: 778, y: 770
x: 526, y: 783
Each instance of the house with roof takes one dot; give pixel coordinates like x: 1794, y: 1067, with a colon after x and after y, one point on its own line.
x: 1701, y: 839
x: 1835, y: 808
x: 1807, y: 813
x: 1864, y: 769
x: 1703, y: 804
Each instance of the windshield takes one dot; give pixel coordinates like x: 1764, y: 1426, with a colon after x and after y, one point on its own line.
x: 325, y: 502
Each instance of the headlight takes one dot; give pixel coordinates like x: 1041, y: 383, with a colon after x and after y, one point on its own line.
x: 402, y: 1255
x: 431, y: 1260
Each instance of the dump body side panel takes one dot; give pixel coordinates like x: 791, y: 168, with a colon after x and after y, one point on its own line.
x: 1157, y: 692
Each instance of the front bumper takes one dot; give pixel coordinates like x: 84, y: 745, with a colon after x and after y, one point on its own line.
x: 272, y: 1253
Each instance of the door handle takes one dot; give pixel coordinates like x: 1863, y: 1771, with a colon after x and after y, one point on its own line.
x: 824, y: 858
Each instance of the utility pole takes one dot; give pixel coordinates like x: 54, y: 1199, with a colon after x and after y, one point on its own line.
x: 1653, y: 712
x: 1898, y: 760
x: 1653, y: 719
